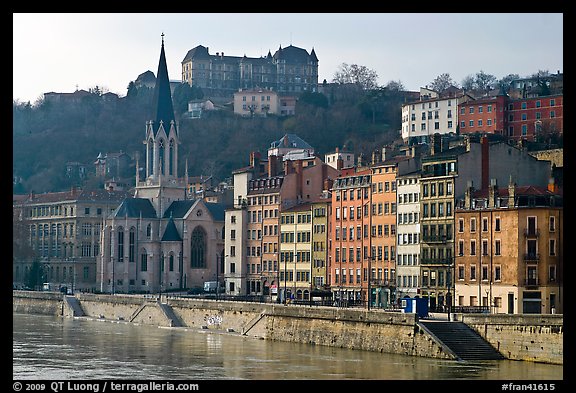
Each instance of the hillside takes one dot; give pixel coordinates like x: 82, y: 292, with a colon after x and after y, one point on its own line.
x: 50, y: 134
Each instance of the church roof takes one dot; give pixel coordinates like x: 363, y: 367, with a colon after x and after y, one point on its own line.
x: 178, y: 209
x: 135, y: 207
x: 171, y: 233
x: 217, y: 210
x: 162, y: 103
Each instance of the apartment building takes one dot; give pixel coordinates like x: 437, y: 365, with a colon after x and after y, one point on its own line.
x: 408, y: 229
x: 351, y: 252
x: 256, y: 102
x: 430, y: 115
x: 509, y: 246
x: 64, y: 231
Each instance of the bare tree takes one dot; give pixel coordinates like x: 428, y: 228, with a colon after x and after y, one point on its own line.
x: 356, y: 74
x: 442, y: 82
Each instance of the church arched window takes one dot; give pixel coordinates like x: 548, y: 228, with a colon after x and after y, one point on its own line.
x: 120, y: 244
x: 148, y: 231
x: 161, y: 155
x: 198, y: 248
x: 150, y: 156
x: 172, y: 158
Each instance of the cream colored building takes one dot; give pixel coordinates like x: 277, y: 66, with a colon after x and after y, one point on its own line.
x: 256, y: 102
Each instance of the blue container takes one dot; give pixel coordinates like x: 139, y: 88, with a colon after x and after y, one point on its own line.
x: 415, y: 305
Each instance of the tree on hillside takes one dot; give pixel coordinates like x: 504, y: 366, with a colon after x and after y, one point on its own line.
x: 480, y: 81
x: 359, y: 75
x: 505, y: 82
x: 183, y: 93
x: 442, y: 82
x: 395, y: 86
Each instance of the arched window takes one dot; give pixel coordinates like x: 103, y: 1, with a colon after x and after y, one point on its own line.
x: 120, y: 244
x: 172, y: 158
x: 161, y: 155
x: 150, y: 166
x: 132, y: 242
x: 198, y: 248
x: 149, y: 231
x: 144, y: 261
x: 171, y: 262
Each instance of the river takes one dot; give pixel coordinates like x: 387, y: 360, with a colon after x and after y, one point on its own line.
x: 56, y: 348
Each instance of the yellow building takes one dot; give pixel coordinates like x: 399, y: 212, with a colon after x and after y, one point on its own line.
x: 296, y: 252
x: 509, y: 250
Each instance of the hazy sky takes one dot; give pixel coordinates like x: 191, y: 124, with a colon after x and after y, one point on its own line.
x: 62, y: 52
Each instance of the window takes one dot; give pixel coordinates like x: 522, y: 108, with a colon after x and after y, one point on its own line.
x: 472, y: 247
x: 497, y: 247
x: 198, y: 248
x: 552, y: 247
x: 497, y: 273
x: 472, y: 224
x: 472, y: 273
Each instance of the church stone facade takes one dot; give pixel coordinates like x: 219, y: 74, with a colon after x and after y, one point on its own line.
x: 160, y: 240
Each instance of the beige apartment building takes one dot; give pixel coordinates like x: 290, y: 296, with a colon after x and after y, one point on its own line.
x: 509, y: 244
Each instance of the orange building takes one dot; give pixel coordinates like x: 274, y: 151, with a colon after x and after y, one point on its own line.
x: 383, y: 231
x: 350, y: 237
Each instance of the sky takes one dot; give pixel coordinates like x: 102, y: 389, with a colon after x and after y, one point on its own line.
x: 55, y: 52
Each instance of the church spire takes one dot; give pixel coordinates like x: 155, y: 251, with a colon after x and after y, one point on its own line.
x: 162, y: 103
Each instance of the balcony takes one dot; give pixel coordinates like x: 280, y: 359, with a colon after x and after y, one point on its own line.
x: 531, y: 232
x: 434, y: 239
x: 531, y: 258
x: 436, y: 261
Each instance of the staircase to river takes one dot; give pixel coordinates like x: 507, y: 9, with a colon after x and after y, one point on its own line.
x: 464, y: 342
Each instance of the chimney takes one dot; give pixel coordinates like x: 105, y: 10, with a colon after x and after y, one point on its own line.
x: 255, y: 159
x: 384, y: 155
x: 511, y: 192
x: 552, y: 187
x: 339, y: 163
x: 485, y: 164
x: 272, y: 165
x: 492, y: 193
x: 413, y: 151
x: 436, y: 144
x: 376, y: 158
x: 299, y: 178
x: 468, y: 195
x: 467, y: 142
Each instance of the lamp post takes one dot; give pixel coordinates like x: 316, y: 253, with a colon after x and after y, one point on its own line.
x: 217, y: 282
x: 285, y: 275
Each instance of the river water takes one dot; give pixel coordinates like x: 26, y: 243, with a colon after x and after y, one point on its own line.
x: 56, y: 348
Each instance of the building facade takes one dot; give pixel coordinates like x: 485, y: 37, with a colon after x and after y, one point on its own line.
x: 509, y: 250
x: 64, y: 230
x: 290, y: 70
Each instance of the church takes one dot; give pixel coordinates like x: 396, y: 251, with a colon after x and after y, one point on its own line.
x: 161, y: 240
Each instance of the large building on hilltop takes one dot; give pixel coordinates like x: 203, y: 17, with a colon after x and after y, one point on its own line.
x: 161, y: 240
x: 290, y: 70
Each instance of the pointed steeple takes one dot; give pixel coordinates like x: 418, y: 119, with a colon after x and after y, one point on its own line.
x: 162, y: 103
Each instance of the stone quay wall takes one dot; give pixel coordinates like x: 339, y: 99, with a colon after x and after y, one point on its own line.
x: 535, y: 338
x: 529, y: 337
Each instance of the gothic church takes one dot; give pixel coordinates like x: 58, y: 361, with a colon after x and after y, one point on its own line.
x: 161, y: 240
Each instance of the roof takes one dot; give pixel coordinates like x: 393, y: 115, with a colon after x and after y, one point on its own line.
x: 216, y: 210
x: 292, y: 54
x: 199, y: 52
x: 178, y: 209
x: 135, y: 208
x: 291, y: 140
x: 171, y: 233
x: 76, y: 194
